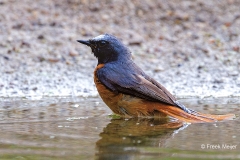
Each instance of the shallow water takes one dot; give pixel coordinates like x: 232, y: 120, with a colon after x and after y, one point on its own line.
x: 81, y: 128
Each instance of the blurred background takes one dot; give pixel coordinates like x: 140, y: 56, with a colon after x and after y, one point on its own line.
x: 191, y: 47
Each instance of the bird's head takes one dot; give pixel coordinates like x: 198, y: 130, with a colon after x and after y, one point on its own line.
x: 107, y: 48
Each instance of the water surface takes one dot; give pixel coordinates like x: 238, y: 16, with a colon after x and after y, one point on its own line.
x: 81, y: 128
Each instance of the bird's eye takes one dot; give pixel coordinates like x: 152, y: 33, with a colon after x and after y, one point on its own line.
x: 102, y: 43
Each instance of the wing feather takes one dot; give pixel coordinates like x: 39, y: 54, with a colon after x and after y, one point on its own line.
x: 133, y: 82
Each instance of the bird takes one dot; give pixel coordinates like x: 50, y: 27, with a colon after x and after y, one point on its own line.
x: 128, y: 91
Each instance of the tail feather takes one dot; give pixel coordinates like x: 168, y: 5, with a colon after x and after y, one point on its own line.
x: 195, y: 117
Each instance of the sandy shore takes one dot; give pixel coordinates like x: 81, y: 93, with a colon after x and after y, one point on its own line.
x: 191, y: 47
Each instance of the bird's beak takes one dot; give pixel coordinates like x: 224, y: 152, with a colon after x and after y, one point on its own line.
x: 84, y: 42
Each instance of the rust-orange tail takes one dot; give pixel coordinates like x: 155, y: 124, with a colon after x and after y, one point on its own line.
x: 196, y: 117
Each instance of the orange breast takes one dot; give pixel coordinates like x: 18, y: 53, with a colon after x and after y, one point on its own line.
x: 110, y: 98
x: 121, y: 103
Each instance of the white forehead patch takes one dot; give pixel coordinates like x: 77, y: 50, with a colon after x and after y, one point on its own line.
x: 98, y: 38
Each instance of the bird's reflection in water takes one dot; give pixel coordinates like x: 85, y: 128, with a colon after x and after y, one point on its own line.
x: 122, y: 138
